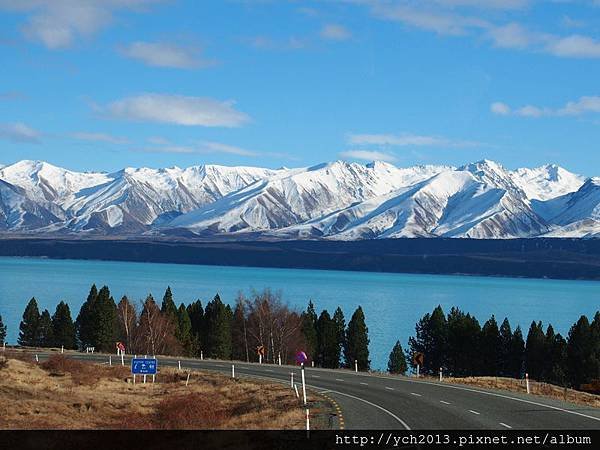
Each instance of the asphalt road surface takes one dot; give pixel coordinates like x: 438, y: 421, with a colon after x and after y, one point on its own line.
x: 370, y: 401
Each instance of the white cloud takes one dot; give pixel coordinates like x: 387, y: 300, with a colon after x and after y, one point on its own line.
x: 99, y: 137
x: 403, y: 140
x: 575, y: 46
x: 58, y: 23
x: 334, y: 32
x: 368, y: 155
x: 161, y: 54
x: 218, y: 147
x: 487, y: 4
x: 19, y: 132
x: 584, y: 105
x: 500, y: 108
x: 178, y: 110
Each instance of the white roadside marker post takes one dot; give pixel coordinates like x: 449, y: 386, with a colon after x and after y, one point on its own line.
x: 232, y: 371
x: 134, y: 378
x: 303, y: 385
x: 259, y: 358
x: 292, y: 380
x: 279, y: 358
x: 307, y: 422
x: 122, y: 359
x: 4, y: 346
x: 201, y: 355
x: 179, y: 365
x: 356, y: 365
x: 144, y: 378
x: 312, y: 363
x: 188, y: 380
x: 62, y: 348
x: 417, y: 371
x: 37, y: 360
x: 153, y: 378
x: 440, y: 374
x: 527, y: 382
x: 296, y: 389
x: 110, y: 360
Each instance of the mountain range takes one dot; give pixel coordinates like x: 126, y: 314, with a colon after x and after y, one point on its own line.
x: 337, y: 200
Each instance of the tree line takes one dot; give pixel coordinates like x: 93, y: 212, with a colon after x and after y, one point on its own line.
x: 459, y: 345
x: 334, y: 344
x: 216, y: 330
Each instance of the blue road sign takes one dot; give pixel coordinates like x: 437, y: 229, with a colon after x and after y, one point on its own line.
x: 144, y: 366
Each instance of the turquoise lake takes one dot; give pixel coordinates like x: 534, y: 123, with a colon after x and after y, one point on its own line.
x: 392, y: 302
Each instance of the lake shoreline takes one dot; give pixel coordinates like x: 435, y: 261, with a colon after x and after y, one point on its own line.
x: 566, y: 259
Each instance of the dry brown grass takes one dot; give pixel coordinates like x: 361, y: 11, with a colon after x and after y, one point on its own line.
x: 536, y: 388
x: 66, y: 394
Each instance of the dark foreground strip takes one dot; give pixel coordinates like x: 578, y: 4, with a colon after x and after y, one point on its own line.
x: 290, y: 440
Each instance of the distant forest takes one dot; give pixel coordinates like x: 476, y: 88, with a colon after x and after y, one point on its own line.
x: 537, y: 258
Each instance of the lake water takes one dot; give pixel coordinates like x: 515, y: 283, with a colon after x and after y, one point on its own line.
x: 392, y: 302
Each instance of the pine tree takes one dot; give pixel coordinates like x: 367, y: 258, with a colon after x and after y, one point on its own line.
x: 490, y: 346
x: 340, y: 324
x: 397, y: 361
x: 46, y: 337
x: 535, y: 351
x: 2, y: 331
x: 29, y: 328
x: 309, y: 330
x: 357, y: 341
x: 84, y: 324
x: 556, y: 354
x: 328, y: 349
x: 431, y: 339
x: 505, y: 349
x: 104, y: 315
x: 580, y: 346
x: 464, y: 333
x: 218, y: 329
x: 239, y: 333
x: 184, y: 331
x: 196, y: 313
x: 516, y: 360
x: 168, y: 306
x: 63, y: 328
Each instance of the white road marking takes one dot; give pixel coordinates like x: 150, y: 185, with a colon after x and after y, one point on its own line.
x: 364, y: 384
x: 389, y: 388
x: 415, y: 394
x: 473, y: 412
x: 315, y: 376
x: 338, y: 379
x: 445, y: 403
x: 504, y: 425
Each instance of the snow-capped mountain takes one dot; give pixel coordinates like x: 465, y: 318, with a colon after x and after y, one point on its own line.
x: 337, y: 200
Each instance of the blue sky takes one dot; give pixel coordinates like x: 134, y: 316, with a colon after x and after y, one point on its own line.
x: 104, y: 84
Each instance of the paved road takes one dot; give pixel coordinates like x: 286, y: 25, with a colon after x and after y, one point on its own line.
x: 370, y: 401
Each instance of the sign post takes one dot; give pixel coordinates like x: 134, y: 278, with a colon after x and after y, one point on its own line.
x: 418, y: 360
x: 144, y: 366
x: 303, y: 385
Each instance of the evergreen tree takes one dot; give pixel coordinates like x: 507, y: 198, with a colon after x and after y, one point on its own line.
x: 218, y: 329
x: 46, y: 337
x: 184, y: 331
x: 580, y: 361
x: 309, y: 330
x: 490, y: 348
x: 29, y: 335
x: 196, y: 313
x: 595, y: 357
x: 431, y: 339
x: 340, y: 325
x: 397, y: 361
x: 463, y: 354
x: 357, y: 341
x: 505, y: 349
x: 106, y: 327
x: 2, y: 331
x: 328, y: 349
x: 517, y: 354
x: 84, y: 324
x: 63, y: 328
x: 239, y: 333
x: 556, y: 354
x: 168, y: 306
x: 535, y: 351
